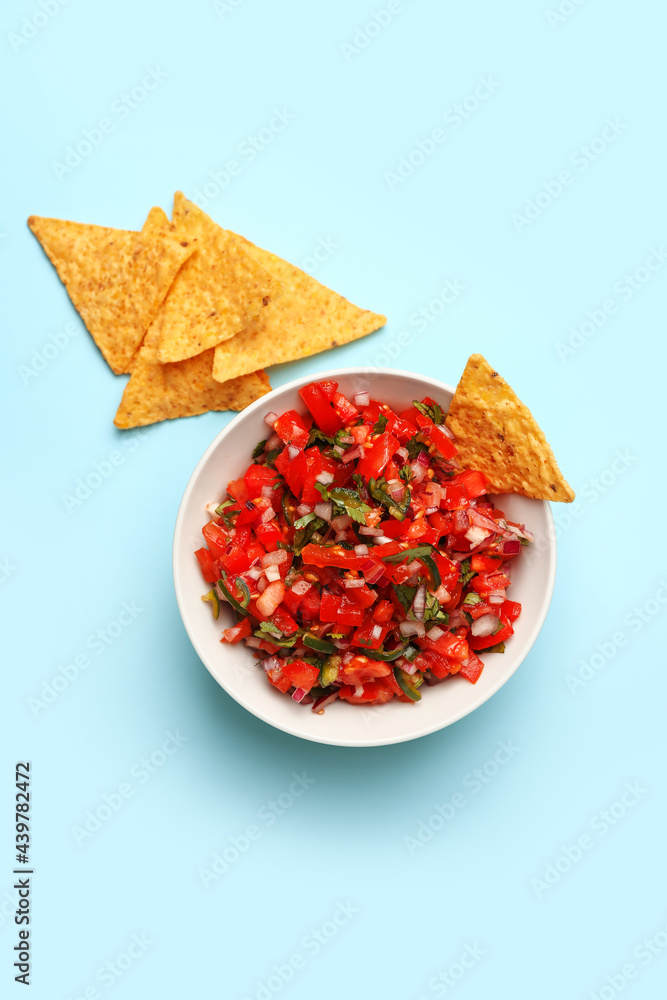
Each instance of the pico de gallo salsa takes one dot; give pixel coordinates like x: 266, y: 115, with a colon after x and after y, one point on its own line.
x: 359, y: 559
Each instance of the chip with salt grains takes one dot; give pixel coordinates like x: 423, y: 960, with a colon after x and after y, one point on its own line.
x: 216, y: 294
x: 307, y: 318
x: 498, y: 435
x: 116, y: 279
x: 181, y: 388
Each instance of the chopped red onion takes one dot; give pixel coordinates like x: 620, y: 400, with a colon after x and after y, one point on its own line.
x: 350, y: 456
x: 301, y: 587
x: 292, y: 452
x: 358, y: 690
x: 357, y: 581
x: 424, y: 458
x: 445, y: 430
x: 338, y: 450
x: 412, y: 628
x: 262, y: 584
x: 346, y: 439
x: 270, y: 663
x: 442, y: 594
x: 324, y: 510
x: 372, y: 572
x: 275, y: 558
x: 418, y: 471
x: 376, y: 631
x: 324, y: 702
x: 431, y: 510
x: 396, y: 491
x: 340, y: 536
x: 303, y: 509
x: 434, y: 633
x: 267, y: 492
x: 486, y: 625
x: 340, y: 644
x: 272, y: 573
x: 361, y: 550
x: 362, y: 399
x: 342, y: 522
x: 252, y: 642
x: 511, y: 547
x: 419, y: 603
x: 271, y: 418
x: 324, y: 478
x: 268, y: 514
x: 299, y: 694
x: 273, y: 442
x: 254, y: 572
x: 365, y: 530
x: 414, y: 566
x: 402, y: 453
x: 497, y: 597
x: 382, y: 539
x: 408, y: 668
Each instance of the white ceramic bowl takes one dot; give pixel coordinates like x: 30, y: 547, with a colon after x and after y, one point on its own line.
x: 234, y: 666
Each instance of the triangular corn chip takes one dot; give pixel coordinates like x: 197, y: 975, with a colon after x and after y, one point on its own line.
x: 181, y: 388
x: 217, y: 293
x: 498, y: 435
x: 306, y: 319
x: 116, y: 279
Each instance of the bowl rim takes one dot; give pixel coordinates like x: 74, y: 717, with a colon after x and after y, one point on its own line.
x: 247, y: 703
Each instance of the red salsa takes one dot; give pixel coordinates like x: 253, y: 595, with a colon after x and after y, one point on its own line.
x: 360, y: 560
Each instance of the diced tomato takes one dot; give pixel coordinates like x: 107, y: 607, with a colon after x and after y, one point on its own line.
x: 361, y: 669
x: 328, y: 389
x: 383, y: 611
x: 472, y: 669
x: 437, y: 663
x: 475, y: 483
x: 293, y: 471
x: 440, y: 439
x: 456, y: 497
x: 291, y: 429
x: 363, y: 597
x: 441, y: 523
x: 485, y: 564
x: 372, y: 465
x: 238, y: 632
x: 217, y: 539
x: 283, y: 620
x: 332, y: 555
x: 486, y: 583
x: 252, y: 510
x: 317, y: 463
x: 207, y: 565
x: 366, y: 636
x: 279, y: 680
x: 256, y: 477
x: 483, y: 642
x: 310, y: 605
x: 346, y: 410
x: 269, y: 534
x: 320, y: 406
x: 393, y: 528
x: 339, y: 609
x: 371, y: 692
x: 360, y: 433
x: 511, y: 610
x: 235, y: 561
x: 237, y: 490
x: 301, y: 674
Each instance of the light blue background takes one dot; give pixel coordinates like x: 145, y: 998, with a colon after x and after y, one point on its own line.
x: 356, y: 113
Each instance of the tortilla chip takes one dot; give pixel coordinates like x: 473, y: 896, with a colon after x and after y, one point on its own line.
x: 498, y: 435
x: 181, y: 388
x: 116, y: 279
x: 306, y: 319
x: 156, y: 220
x: 217, y: 293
